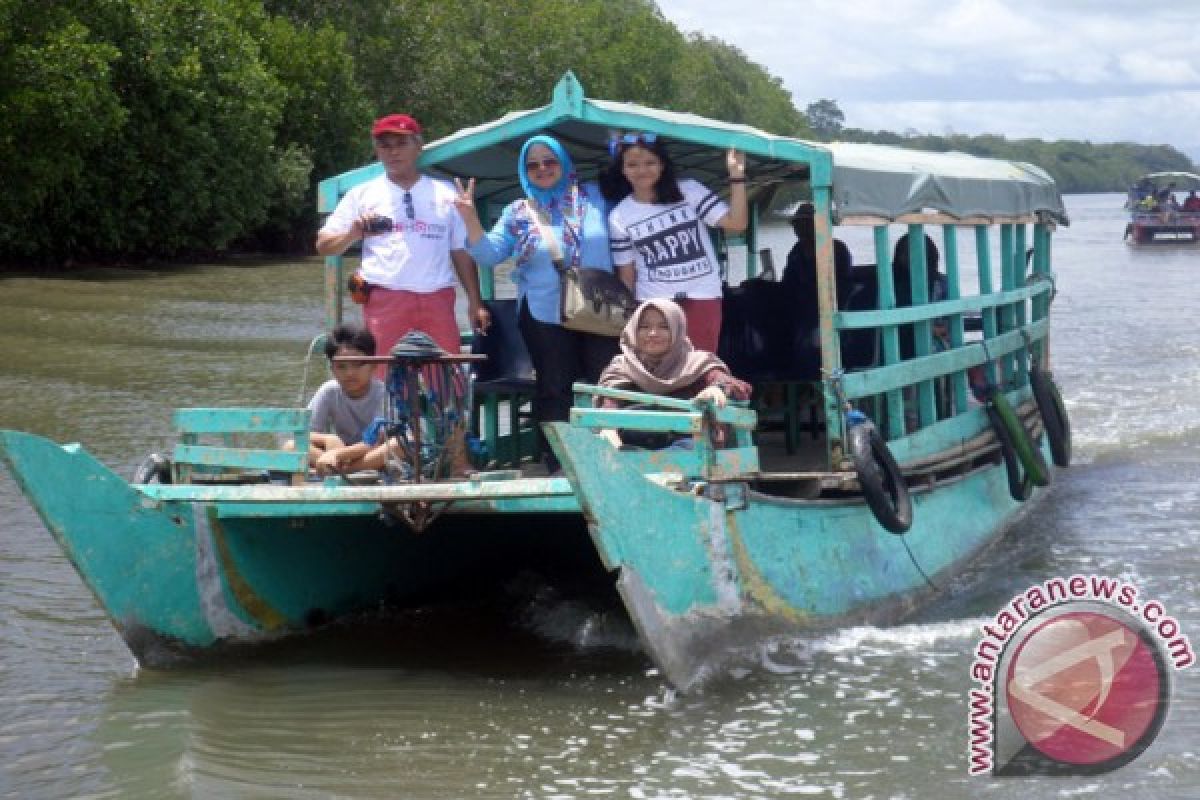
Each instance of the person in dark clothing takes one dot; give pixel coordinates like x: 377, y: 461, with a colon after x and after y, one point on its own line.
x: 800, y: 290
x: 800, y: 272
x: 935, y: 281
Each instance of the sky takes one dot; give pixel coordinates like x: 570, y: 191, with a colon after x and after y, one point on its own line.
x: 1095, y: 70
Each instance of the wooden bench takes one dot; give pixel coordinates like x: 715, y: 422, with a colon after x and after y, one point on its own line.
x: 737, y: 459
x: 240, y: 451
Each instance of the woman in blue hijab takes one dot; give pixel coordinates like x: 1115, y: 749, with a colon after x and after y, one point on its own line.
x: 575, y: 216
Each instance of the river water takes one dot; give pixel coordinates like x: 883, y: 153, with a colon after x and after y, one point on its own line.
x: 559, y: 703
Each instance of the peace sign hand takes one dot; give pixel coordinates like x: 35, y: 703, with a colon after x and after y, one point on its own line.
x: 464, y: 200
x: 464, y: 203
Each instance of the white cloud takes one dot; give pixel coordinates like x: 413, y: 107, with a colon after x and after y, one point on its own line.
x: 1082, y: 69
x: 1152, y: 66
x: 1160, y: 118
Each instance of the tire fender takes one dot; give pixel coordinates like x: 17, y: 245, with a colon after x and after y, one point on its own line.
x: 1054, y: 416
x: 1019, y: 485
x: 1029, y: 454
x: 882, y: 482
x: 155, y: 468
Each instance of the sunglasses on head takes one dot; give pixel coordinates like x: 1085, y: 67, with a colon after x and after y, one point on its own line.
x: 628, y: 140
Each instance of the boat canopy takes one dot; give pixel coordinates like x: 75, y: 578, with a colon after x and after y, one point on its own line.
x: 1184, y: 180
x: 882, y: 181
x: 866, y: 180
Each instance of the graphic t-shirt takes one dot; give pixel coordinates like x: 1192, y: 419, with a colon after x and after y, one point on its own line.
x: 415, y: 255
x: 334, y: 411
x: 669, y: 244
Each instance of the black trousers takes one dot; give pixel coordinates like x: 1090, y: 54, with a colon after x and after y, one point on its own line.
x: 560, y: 358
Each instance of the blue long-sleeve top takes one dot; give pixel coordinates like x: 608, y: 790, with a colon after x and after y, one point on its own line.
x: 516, y: 234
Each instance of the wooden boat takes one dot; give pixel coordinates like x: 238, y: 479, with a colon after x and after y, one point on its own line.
x: 848, y: 492
x: 1154, y: 222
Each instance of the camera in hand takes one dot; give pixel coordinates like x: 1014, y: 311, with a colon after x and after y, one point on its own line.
x: 379, y: 224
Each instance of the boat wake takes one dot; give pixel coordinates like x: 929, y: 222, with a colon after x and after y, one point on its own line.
x: 902, y: 638
x: 558, y: 617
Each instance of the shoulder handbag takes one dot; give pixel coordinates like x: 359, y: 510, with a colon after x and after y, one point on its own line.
x: 593, y: 300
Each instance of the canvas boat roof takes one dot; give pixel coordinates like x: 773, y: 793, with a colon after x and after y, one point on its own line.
x: 1189, y: 180
x: 866, y: 180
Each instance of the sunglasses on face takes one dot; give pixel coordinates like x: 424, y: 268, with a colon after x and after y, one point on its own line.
x: 616, y: 144
x: 545, y: 163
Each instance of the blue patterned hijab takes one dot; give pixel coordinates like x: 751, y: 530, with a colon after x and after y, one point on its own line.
x: 548, y: 198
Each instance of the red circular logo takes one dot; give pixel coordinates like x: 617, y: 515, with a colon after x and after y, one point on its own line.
x: 1085, y: 688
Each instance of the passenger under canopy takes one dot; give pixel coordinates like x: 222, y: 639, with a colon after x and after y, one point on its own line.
x: 856, y: 356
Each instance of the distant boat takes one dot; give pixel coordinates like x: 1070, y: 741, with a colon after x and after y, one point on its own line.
x: 1157, y: 215
x: 855, y: 487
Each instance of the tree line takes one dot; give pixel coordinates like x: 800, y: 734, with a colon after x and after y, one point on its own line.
x: 1076, y: 166
x: 160, y: 129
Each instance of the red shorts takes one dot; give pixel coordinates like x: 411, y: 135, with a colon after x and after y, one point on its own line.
x: 391, y: 313
x: 703, y: 322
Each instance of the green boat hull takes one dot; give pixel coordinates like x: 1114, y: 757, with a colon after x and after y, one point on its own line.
x: 185, y: 578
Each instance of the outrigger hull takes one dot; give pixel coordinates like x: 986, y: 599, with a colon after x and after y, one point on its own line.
x: 1153, y: 229
x: 706, y: 572
x: 224, y: 566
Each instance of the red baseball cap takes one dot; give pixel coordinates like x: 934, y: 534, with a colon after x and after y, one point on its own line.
x: 396, y: 123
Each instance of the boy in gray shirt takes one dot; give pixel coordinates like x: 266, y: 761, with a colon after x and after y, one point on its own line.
x: 343, y: 407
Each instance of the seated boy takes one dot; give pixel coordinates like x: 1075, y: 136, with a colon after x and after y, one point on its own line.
x: 343, y: 407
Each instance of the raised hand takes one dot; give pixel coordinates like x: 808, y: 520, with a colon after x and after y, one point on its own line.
x: 464, y: 203
x: 464, y: 200
x: 735, y: 161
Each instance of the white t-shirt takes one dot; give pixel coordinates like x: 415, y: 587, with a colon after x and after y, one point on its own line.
x: 416, y: 255
x: 334, y: 411
x: 671, y: 249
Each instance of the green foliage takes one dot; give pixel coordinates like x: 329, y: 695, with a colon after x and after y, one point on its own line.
x: 717, y: 80
x: 825, y: 118
x: 56, y: 109
x: 178, y: 162
x: 321, y: 130
x: 458, y: 64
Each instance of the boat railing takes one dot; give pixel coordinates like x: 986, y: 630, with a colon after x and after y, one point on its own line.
x: 246, y: 441
x: 960, y: 346
x: 720, y: 443
x: 950, y: 362
x: 1166, y: 217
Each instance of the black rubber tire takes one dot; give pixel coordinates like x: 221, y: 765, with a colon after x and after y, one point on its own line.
x: 1019, y: 485
x: 1054, y: 416
x: 155, y: 468
x: 879, y: 475
x: 1027, y: 450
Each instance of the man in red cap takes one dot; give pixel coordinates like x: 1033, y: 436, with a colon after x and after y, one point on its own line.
x: 413, y: 243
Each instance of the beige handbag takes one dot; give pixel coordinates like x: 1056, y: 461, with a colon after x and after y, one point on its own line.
x: 593, y: 300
